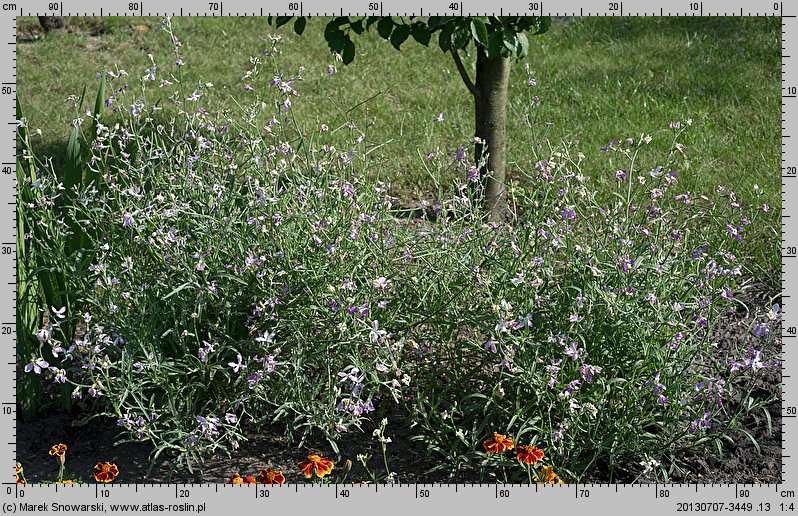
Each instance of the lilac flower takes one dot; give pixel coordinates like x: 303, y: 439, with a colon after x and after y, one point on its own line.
x: 36, y: 365
x: 128, y: 220
x: 609, y: 145
x: 60, y: 375
x: 330, y: 70
x: 701, y: 423
x: 569, y: 213
x: 473, y: 174
x: 735, y: 232
x: 761, y: 330
x: 553, y: 367
x: 377, y: 334
x: 208, y: 426
x: 265, y: 338
x: 237, y: 366
x: 571, y: 387
x: 658, y: 387
x: 203, y: 352
x: 587, y: 371
x: 727, y: 293
x: 558, y: 434
x: 572, y: 350
x: 44, y: 335
x: 490, y: 345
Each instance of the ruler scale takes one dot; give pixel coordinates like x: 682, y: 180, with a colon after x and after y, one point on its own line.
x: 563, y: 499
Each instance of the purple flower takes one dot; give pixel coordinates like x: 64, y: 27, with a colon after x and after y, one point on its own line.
x: 762, y: 330
x: 438, y: 119
x: 620, y: 175
x: 735, y: 232
x: 658, y: 387
x: 609, y: 145
x: 587, y: 371
x: 553, y: 367
x: 36, y: 365
x: 700, y: 423
x: 572, y: 350
x: 127, y: 219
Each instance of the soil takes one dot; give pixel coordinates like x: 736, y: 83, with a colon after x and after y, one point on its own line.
x: 741, y: 461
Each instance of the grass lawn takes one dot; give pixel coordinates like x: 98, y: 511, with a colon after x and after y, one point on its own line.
x: 597, y: 79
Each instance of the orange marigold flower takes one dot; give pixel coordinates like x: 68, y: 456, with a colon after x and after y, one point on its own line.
x: 236, y: 479
x: 317, y: 464
x: 529, y: 454
x: 498, y: 443
x: 250, y: 480
x: 58, y: 450
x: 105, y: 472
x: 269, y: 476
x: 548, y: 476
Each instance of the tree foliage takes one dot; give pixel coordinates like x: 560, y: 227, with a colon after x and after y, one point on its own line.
x: 499, y: 35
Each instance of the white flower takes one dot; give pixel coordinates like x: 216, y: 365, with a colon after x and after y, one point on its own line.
x: 237, y: 366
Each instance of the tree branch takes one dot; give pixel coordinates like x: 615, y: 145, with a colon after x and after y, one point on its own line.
x: 463, y: 74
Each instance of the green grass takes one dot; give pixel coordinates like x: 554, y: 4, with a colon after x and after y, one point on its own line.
x: 598, y: 79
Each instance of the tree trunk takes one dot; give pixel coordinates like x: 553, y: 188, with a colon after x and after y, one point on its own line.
x: 54, y: 23
x: 490, y: 110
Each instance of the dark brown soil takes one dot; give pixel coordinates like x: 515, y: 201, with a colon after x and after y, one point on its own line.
x: 92, y: 441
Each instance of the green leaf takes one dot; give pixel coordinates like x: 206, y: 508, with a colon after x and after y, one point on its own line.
x: 371, y: 20
x: 399, y: 35
x: 299, y: 25
x: 494, y: 44
x: 445, y: 38
x: 436, y: 22
x: 462, y: 35
x: 282, y: 20
x: 384, y: 27
x: 357, y: 27
x: 349, y: 51
x: 522, y: 45
x: 420, y: 33
x: 99, y: 102
x: 73, y: 172
x: 508, y: 39
x: 479, y: 31
x: 542, y: 25
x: 335, y: 37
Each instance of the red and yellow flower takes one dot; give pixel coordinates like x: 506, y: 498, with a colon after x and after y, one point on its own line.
x: 19, y: 476
x: 548, y: 476
x: 236, y: 479
x: 269, y: 476
x: 59, y: 451
x: 529, y: 454
x: 105, y: 472
x: 317, y: 464
x: 498, y: 443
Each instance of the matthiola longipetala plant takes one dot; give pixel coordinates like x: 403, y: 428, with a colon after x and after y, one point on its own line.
x: 244, y: 267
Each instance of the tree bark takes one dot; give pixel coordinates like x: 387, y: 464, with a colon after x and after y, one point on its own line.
x: 54, y: 23
x: 490, y: 110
